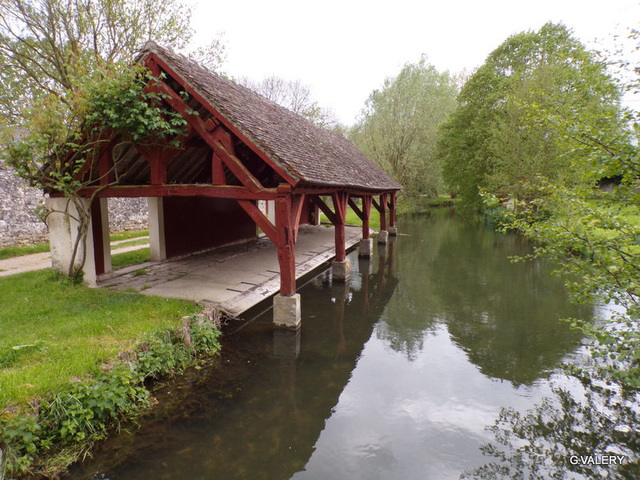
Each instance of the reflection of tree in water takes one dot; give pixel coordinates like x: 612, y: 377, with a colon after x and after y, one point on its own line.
x: 540, y: 444
x: 503, y: 314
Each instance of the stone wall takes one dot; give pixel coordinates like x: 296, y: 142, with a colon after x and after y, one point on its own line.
x: 19, y: 225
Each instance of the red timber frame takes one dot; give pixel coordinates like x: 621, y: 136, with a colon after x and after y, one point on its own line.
x: 219, y: 134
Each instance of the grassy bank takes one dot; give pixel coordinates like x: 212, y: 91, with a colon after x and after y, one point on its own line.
x: 60, y: 385
x: 18, y: 251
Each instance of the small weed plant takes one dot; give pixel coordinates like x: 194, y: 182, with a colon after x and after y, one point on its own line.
x: 61, y: 429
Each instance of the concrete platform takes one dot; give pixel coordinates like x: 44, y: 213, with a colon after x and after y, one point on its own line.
x: 236, y: 277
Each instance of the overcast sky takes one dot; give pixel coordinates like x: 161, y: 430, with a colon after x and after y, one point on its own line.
x: 344, y: 49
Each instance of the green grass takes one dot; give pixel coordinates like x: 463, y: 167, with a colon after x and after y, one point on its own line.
x: 353, y: 219
x: 19, y: 251
x: 121, y: 260
x: 126, y: 235
x: 10, y: 252
x: 131, y: 243
x: 54, y: 331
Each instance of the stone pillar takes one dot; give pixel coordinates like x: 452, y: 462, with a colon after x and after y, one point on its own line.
x: 383, y: 237
x: 340, y: 270
x: 63, y: 233
x: 156, y: 229
x: 393, y: 231
x: 365, y: 247
x: 287, y: 311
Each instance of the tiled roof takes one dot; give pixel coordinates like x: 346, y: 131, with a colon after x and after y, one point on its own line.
x: 312, y: 155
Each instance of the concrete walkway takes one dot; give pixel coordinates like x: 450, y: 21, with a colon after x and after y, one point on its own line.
x: 40, y: 261
x: 235, y: 278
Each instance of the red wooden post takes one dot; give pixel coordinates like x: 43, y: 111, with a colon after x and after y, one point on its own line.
x: 392, y: 210
x: 340, y: 200
x: 98, y: 237
x: 383, y: 211
x: 284, y: 244
x: 366, y: 210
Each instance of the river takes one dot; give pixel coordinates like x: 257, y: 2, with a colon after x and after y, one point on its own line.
x: 398, y: 375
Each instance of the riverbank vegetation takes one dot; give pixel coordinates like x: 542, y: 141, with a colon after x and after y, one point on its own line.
x: 83, y: 364
x: 541, y: 143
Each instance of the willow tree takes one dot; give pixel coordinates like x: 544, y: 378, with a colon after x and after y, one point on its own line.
x: 399, y: 124
x: 493, y: 142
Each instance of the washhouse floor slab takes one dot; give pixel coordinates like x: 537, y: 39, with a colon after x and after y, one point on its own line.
x: 235, y: 277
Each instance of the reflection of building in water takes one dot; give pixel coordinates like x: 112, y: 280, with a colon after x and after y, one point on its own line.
x: 280, y: 389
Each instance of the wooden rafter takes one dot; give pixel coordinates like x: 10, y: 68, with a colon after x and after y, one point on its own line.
x: 213, y: 140
x: 296, y: 212
x: 325, y: 208
x: 258, y: 217
x: 156, y: 64
x: 197, y: 190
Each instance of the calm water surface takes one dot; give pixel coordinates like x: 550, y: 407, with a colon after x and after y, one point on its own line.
x: 393, y: 376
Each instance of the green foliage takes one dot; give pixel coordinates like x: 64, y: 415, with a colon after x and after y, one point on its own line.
x: 399, y: 125
x: 68, y: 423
x: 504, y: 133
x: 541, y: 442
x: 49, y: 48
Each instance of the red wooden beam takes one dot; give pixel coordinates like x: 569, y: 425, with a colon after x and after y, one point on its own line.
x: 153, y: 60
x: 296, y: 213
x: 340, y: 200
x: 98, y: 239
x: 325, y: 209
x: 257, y: 216
x: 284, y: 244
x: 195, y: 190
x: 212, y: 139
x: 106, y: 166
x: 392, y: 209
x: 356, y: 209
x: 383, y: 211
x: 366, y: 211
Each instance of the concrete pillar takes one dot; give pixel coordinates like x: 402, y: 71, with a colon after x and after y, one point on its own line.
x: 156, y: 229
x: 393, y: 231
x: 63, y: 232
x: 383, y: 237
x: 340, y: 270
x: 287, y: 312
x: 365, y: 248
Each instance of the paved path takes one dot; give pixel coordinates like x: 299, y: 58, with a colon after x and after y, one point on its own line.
x: 40, y: 261
x: 236, y: 278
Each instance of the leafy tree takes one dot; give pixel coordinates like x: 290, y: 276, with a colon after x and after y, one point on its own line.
x: 49, y: 46
x: 593, y: 234
x: 493, y: 142
x: 399, y: 125
x: 67, y: 86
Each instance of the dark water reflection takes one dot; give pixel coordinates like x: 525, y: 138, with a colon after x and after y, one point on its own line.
x: 393, y: 376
